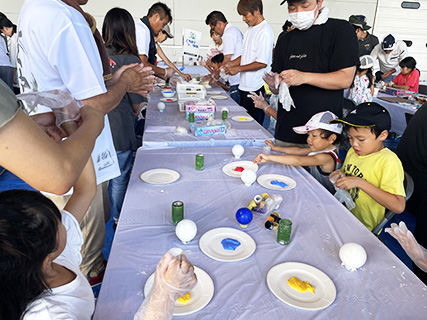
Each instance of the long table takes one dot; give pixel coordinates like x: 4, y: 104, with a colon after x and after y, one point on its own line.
x: 160, y: 126
x: 384, y: 288
x: 397, y: 112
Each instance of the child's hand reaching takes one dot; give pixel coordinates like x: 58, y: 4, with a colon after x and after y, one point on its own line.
x: 261, y: 158
x: 271, y: 144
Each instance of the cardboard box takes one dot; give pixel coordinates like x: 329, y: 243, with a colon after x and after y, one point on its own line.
x: 200, y: 129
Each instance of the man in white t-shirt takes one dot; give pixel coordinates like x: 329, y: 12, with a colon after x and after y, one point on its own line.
x: 256, y: 55
x: 389, y: 54
x: 232, y: 41
x: 158, y: 16
x: 57, y: 50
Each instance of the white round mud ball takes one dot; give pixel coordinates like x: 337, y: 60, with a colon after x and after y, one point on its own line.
x: 186, y: 230
x: 248, y: 177
x: 238, y: 150
x: 161, y: 106
x: 352, y: 256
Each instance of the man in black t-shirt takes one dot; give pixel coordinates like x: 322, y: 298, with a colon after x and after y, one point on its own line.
x: 318, y: 60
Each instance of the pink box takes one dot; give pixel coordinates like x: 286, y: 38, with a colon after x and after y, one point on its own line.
x: 191, y: 106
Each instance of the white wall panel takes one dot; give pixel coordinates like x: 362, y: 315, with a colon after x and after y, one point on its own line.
x: 406, y: 24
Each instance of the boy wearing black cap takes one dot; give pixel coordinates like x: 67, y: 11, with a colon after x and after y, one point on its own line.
x: 371, y: 173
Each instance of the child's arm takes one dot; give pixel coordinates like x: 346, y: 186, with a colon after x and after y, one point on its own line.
x: 84, y: 192
x: 324, y: 160
x: 388, y: 200
x: 170, y: 64
x: 269, y: 111
x: 85, y: 186
x: 372, y: 89
x: 288, y: 150
x: 400, y: 87
x: 223, y: 86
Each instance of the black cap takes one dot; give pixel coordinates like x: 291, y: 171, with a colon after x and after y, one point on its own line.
x: 283, y: 2
x: 360, y: 21
x: 388, y: 42
x: 368, y: 114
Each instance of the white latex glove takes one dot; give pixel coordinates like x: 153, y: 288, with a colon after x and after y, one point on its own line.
x: 259, y: 101
x: 169, y: 72
x: 272, y: 79
x: 174, y: 277
x: 174, y: 81
x: 285, y: 97
x: 341, y: 195
x: 416, y: 252
x: 223, y: 75
x: 62, y: 104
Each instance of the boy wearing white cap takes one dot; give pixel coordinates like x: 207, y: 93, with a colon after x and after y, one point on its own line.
x: 321, y: 156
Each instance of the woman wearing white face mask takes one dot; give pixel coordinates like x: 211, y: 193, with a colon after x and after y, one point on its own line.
x: 318, y: 60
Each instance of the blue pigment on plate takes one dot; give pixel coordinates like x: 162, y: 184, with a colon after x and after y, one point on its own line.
x: 278, y: 183
x: 230, y: 244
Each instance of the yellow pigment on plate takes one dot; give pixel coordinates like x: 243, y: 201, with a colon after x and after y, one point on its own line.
x: 242, y: 119
x: 301, y: 286
x: 185, y: 298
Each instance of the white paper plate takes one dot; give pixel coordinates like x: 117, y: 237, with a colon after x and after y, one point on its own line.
x: 213, y: 92
x: 219, y: 97
x: 266, y: 179
x: 242, y: 119
x: 201, y: 294
x: 324, y: 289
x: 210, y: 244
x: 228, y: 169
x: 168, y: 99
x: 160, y: 176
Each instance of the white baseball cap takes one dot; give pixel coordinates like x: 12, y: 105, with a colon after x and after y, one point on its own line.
x: 320, y: 121
x: 366, y: 62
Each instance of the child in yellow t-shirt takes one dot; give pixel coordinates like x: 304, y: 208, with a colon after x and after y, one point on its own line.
x: 371, y: 173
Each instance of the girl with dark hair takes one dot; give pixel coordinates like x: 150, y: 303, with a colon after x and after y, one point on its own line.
x: 40, y: 254
x: 362, y: 88
x: 409, y: 76
x: 118, y: 32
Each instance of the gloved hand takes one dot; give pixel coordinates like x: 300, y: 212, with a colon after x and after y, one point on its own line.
x: 416, y: 252
x: 62, y: 104
x: 341, y: 195
x: 169, y: 72
x: 259, y: 101
x: 174, y: 81
x: 272, y: 79
x: 174, y: 277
